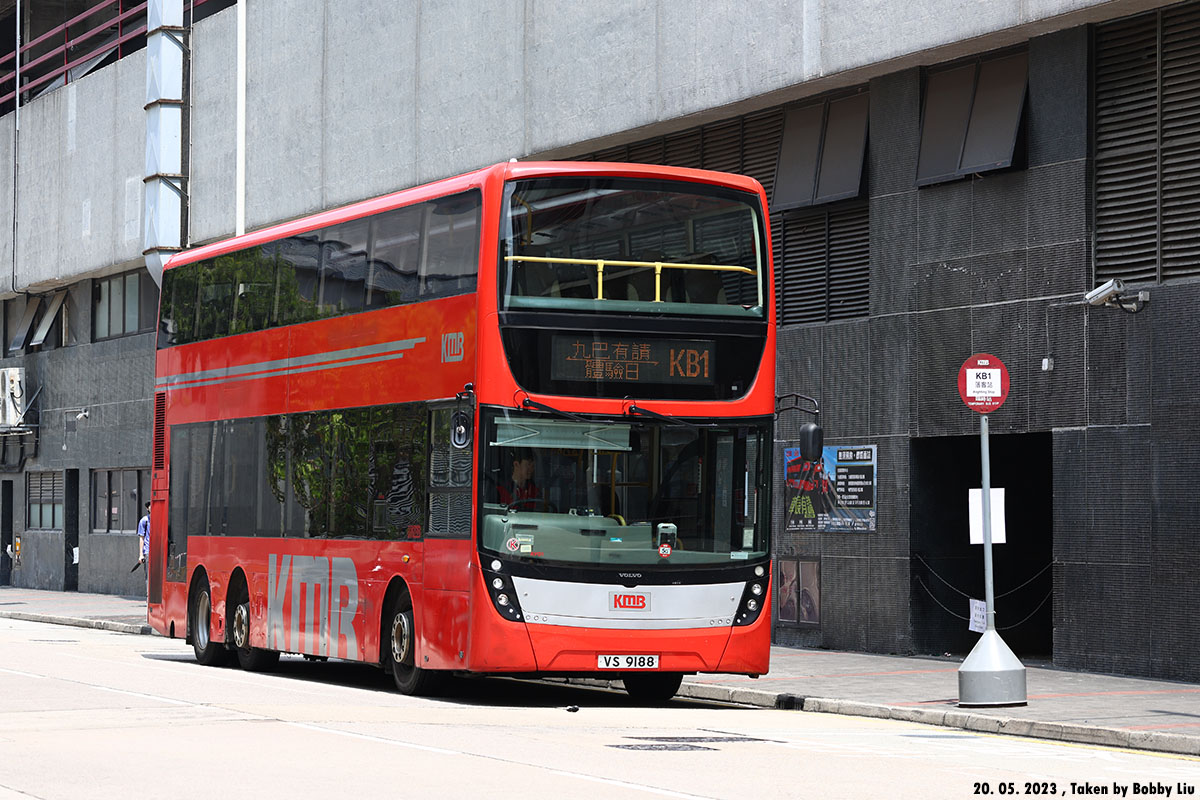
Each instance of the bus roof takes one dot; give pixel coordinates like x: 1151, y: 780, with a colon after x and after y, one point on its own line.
x: 511, y: 170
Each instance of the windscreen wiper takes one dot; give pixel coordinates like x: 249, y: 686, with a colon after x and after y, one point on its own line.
x: 527, y: 403
x: 635, y: 410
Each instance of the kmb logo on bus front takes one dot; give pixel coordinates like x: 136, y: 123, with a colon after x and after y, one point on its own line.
x: 452, y: 347
x: 629, y: 602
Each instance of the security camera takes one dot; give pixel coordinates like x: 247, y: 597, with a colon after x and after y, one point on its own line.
x: 1105, y: 292
x: 82, y: 415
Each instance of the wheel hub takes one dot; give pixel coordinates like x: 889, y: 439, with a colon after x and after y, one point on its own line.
x: 401, y: 637
x: 241, y: 626
x: 203, y: 612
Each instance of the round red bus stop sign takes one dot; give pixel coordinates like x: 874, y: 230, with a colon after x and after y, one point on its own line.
x: 983, y: 383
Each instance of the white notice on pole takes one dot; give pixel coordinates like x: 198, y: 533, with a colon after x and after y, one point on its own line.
x: 983, y: 383
x: 975, y: 510
x: 978, y: 616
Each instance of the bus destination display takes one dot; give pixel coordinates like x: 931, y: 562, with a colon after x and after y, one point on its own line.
x: 629, y: 359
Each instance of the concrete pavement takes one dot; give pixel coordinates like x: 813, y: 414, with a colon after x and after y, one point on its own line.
x: 1063, y: 705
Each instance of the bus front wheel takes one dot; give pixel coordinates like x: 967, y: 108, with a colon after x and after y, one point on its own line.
x: 654, y: 688
x: 208, y: 652
x: 399, y: 651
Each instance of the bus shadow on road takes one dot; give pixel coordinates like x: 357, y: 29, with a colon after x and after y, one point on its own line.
x: 494, y: 691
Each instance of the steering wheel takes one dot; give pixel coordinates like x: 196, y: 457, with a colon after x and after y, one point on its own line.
x: 531, y: 504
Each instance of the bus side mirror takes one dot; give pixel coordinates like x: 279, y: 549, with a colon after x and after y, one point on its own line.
x: 812, y: 441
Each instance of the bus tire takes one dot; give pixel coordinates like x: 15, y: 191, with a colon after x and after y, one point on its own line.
x: 653, y: 688
x: 398, y: 645
x: 208, y: 652
x: 251, y: 659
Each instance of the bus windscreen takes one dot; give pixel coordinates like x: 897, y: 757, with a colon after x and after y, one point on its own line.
x: 636, y: 492
x: 631, y: 246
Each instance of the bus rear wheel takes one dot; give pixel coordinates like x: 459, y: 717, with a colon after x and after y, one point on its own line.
x: 251, y: 659
x: 208, y: 652
x: 398, y: 650
x: 653, y: 688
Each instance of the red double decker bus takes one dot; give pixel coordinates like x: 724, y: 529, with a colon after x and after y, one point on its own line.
x: 514, y: 422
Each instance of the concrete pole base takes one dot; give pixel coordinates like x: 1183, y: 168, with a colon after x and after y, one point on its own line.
x: 991, y: 675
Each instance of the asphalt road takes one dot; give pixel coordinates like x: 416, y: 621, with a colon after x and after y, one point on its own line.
x: 94, y: 714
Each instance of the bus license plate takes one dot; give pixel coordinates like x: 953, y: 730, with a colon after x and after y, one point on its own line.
x: 627, y: 662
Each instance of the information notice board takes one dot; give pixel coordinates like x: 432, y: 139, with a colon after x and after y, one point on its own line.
x: 836, y: 494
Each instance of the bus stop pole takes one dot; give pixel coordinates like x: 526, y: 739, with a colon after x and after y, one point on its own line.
x: 989, y: 592
x: 991, y: 675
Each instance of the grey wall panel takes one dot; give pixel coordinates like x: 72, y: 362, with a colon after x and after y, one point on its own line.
x: 998, y: 212
x: 892, y: 375
x: 893, y: 253
x: 41, y: 202
x: 847, y: 365
x: 369, y: 98
x: 997, y: 277
x: 285, y: 102
x: 763, y: 46
x: 213, y: 132
x: 1057, y: 113
x: 888, y: 606
x: 41, y: 554
x: 845, y: 623
x: 1057, y: 331
x: 591, y: 70
x: 1058, y: 196
x: 472, y: 101
x: 944, y: 221
x: 105, y: 560
x: 1100, y: 615
x: 894, y: 132
x: 7, y: 123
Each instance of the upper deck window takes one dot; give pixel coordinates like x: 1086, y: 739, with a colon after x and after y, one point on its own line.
x: 399, y: 256
x: 631, y: 246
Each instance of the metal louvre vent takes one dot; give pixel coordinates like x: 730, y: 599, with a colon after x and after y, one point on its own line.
x: 824, y: 271
x: 1126, y: 150
x: 822, y: 256
x: 1147, y: 142
x: 160, y: 426
x: 1181, y: 141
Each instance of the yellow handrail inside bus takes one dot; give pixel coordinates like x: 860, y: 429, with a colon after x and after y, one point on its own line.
x: 657, y: 266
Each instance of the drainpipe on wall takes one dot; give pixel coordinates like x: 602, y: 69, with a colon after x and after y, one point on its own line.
x: 16, y: 154
x: 166, y: 182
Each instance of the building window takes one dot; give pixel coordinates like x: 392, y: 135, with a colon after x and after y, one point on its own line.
x: 123, y: 304
x: 971, y: 120
x: 44, y: 492
x: 36, y: 323
x: 821, y: 154
x: 1147, y: 144
x: 118, y: 499
x: 823, y: 264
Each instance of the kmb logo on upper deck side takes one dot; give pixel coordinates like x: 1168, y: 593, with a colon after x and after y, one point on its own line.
x: 628, y: 601
x: 452, y: 347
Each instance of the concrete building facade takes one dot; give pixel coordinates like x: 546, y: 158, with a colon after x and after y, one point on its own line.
x: 1014, y: 154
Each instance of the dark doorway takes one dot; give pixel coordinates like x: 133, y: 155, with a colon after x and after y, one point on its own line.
x: 947, y: 569
x: 6, y: 531
x: 71, y: 531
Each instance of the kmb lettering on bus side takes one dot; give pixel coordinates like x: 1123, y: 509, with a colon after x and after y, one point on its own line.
x: 629, y: 602
x: 323, y: 595
x: 452, y: 347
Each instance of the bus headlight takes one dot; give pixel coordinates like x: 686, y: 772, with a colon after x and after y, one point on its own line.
x: 503, y: 593
x: 754, y: 599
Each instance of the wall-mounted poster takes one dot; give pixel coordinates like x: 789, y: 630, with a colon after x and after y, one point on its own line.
x: 799, y: 592
x: 834, y: 494
x: 789, y: 590
x: 809, y: 598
